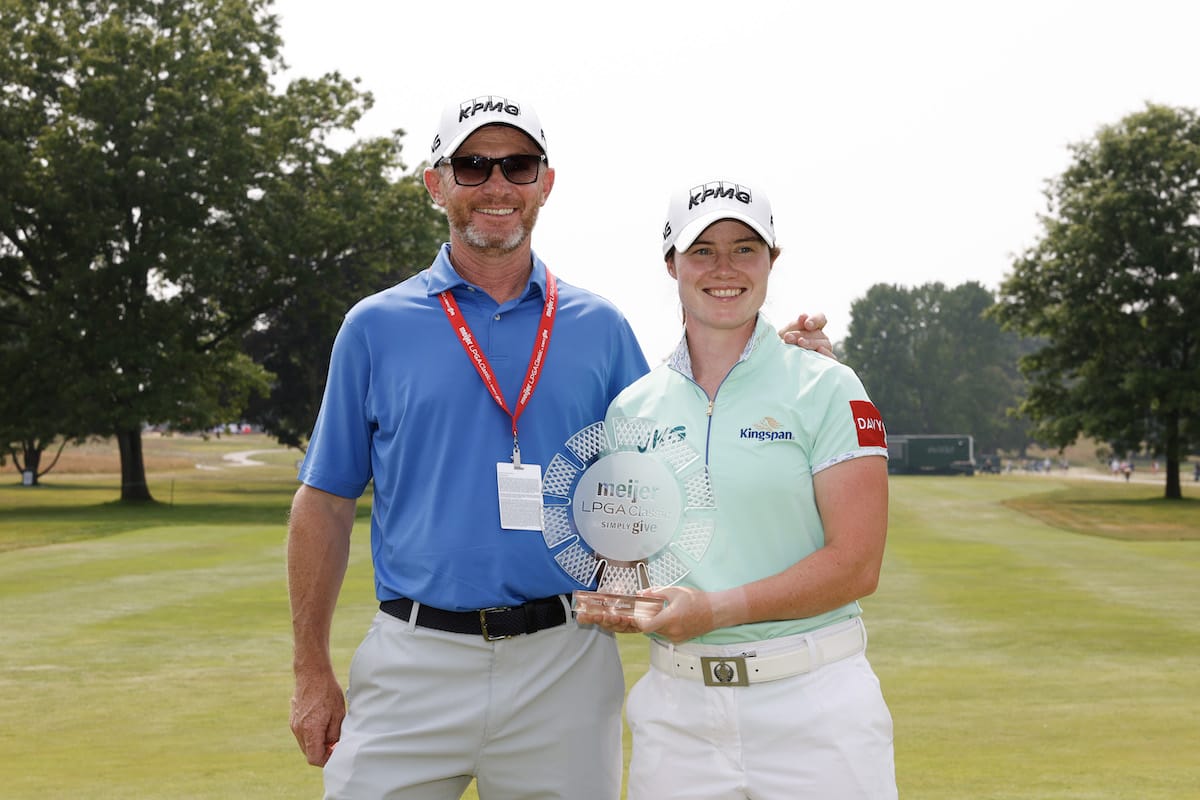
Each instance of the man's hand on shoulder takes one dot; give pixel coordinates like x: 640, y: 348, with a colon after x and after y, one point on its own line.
x: 808, y: 331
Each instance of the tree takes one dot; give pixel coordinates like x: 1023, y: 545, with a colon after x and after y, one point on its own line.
x: 32, y: 418
x: 1113, y: 286
x: 388, y: 233
x: 147, y: 168
x: 21, y: 439
x: 934, y: 364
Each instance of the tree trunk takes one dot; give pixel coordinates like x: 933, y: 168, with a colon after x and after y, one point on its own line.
x: 133, y: 468
x: 1174, y: 491
x: 33, y: 459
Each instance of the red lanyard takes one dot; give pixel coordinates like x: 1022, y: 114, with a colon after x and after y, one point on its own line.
x: 532, y: 374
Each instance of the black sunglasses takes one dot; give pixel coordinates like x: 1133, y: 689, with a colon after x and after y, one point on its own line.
x: 475, y: 170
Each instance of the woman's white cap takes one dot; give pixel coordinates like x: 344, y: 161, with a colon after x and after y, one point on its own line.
x: 692, y: 210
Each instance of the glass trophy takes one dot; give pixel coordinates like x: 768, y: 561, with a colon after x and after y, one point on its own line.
x: 626, y: 507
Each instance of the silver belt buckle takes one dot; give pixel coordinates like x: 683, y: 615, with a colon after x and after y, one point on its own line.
x: 483, y: 612
x: 724, y: 670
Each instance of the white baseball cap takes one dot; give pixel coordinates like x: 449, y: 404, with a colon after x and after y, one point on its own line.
x: 460, y: 120
x: 692, y: 210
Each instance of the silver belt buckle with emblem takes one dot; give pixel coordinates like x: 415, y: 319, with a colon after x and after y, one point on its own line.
x: 724, y: 670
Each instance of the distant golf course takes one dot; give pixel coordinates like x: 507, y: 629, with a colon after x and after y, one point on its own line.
x: 1037, y: 636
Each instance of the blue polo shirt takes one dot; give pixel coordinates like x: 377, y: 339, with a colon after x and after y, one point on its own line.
x: 405, y: 407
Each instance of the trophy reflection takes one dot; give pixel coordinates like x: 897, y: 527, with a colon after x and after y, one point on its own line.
x: 618, y: 585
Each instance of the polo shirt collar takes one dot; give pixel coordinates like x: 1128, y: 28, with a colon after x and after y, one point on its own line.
x: 442, y: 275
x: 681, y: 359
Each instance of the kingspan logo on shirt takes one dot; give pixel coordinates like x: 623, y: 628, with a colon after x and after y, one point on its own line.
x: 768, y: 429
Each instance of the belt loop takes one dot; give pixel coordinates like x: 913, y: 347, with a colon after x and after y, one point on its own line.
x: 674, y: 663
x: 412, y: 616
x: 815, y: 659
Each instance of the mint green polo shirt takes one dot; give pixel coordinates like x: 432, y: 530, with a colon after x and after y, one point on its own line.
x: 781, y: 415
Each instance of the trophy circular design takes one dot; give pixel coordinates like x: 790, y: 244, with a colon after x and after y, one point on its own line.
x: 627, y: 506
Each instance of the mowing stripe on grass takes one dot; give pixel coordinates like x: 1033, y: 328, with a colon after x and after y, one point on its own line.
x: 1019, y: 660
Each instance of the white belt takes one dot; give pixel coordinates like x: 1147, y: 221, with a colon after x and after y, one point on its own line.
x: 813, y: 651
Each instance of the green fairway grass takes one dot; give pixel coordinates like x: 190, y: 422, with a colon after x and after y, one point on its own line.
x: 1036, y: 636
x: 1026, y: 661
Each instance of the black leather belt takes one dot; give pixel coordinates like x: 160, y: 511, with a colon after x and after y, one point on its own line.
x: 490, y: 623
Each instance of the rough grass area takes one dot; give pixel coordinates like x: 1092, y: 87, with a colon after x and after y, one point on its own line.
x: 1134, y: 512
x: 163, y: 453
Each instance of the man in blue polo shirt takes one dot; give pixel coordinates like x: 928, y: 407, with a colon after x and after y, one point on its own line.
x: 451, y: 391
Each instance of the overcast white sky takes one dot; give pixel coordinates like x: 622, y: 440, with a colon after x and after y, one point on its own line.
x: 899, y: 142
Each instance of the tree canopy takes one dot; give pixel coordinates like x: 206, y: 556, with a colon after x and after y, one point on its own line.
x: 389, y: 233
x: 934, y: 364
x: 1113, y: 287
x: 159, y: 197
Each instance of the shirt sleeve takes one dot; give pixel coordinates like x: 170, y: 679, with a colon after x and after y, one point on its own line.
x: 851, y: 427
x: 338, y: 458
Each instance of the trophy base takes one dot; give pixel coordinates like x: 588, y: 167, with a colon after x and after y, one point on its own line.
x: 627, y: 605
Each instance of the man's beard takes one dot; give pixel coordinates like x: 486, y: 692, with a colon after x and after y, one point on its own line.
x: 475, y: 237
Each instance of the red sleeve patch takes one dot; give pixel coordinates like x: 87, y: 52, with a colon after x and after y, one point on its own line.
x: 868, y: 423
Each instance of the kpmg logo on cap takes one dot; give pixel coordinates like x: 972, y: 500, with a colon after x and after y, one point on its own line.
x: 487, y: 105
x: 717, y: 191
